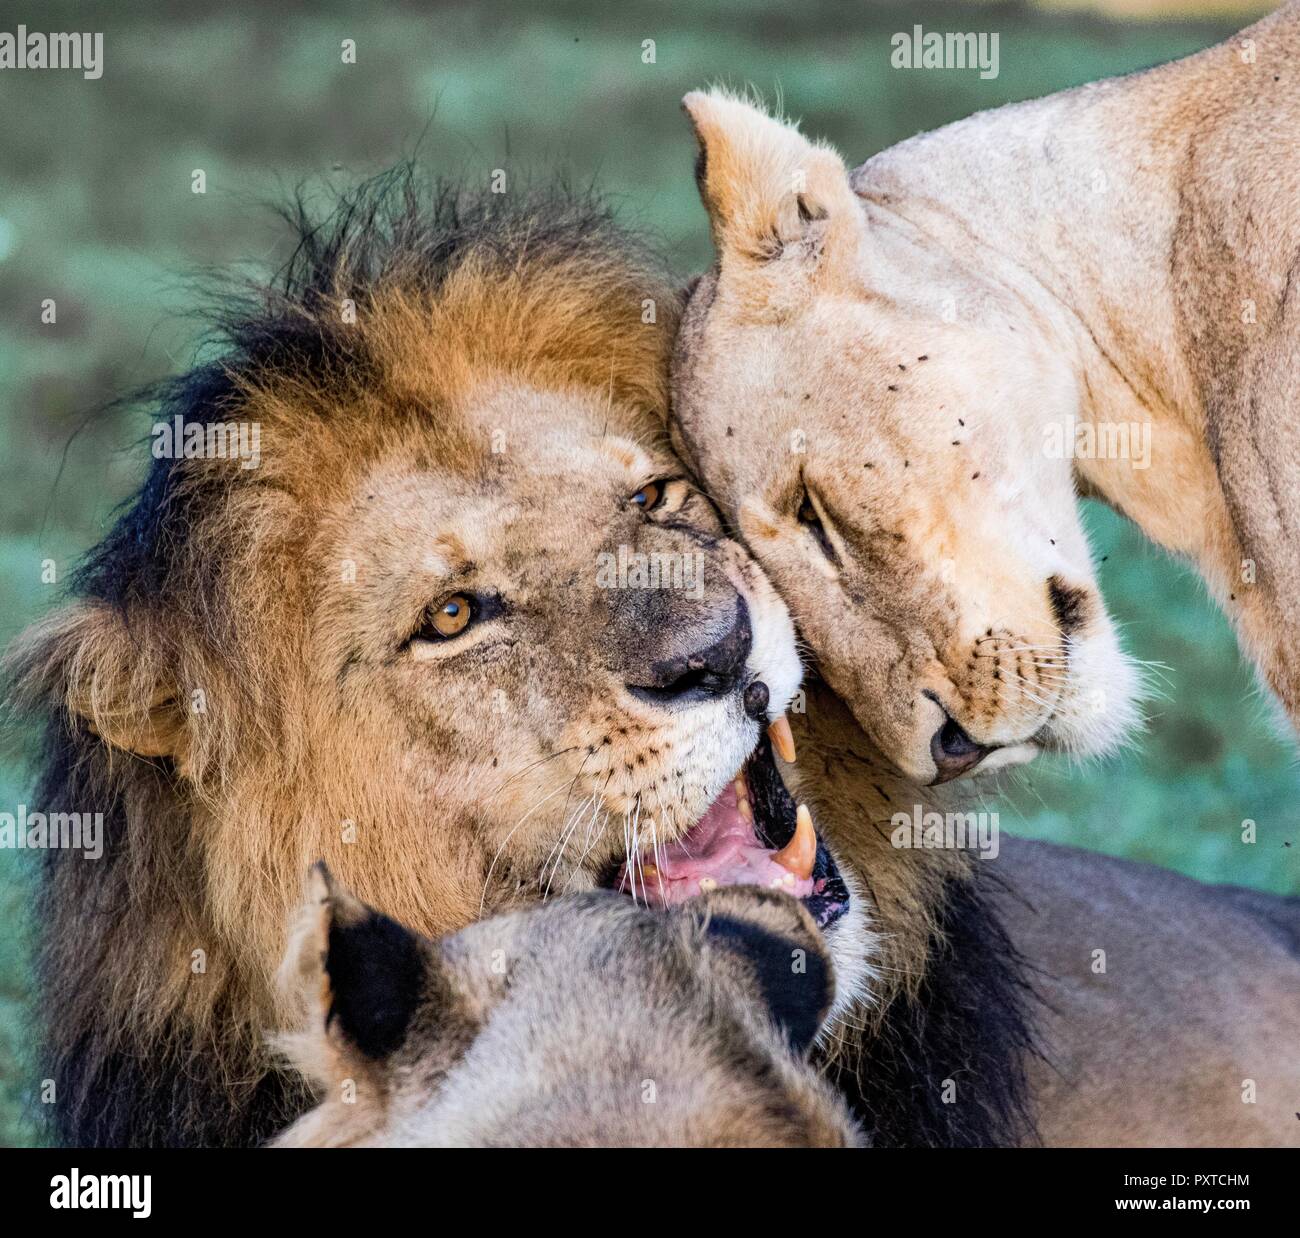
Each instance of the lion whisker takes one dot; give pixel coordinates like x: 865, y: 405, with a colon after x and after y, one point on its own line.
x: 565, y: 835
x: 492, y: 866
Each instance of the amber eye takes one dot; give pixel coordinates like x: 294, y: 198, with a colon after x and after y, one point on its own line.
x: 452, y: 616
x: 648, y: 496
x: 807, y: 512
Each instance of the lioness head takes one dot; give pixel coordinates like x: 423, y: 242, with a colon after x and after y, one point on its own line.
x: 589, y: 1022
x: 864, y: 446
x: 463, y: 627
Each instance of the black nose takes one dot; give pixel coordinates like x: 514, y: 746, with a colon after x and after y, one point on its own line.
x: 711, y: 671
x: 954, y: 751
x: 756, y: 698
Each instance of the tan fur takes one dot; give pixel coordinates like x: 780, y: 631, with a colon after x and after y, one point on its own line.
x: 587, y: 1023
x: 1184, y: 1031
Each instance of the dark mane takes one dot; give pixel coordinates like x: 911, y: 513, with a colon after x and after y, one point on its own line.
x: 970, y: 1022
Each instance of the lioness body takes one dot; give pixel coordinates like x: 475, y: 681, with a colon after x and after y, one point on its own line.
x: 1164, y: 1012
x: 1169, y: 1011
x: 1149, y: 228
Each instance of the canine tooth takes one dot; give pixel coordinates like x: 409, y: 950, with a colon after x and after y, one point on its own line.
x: 800, y: 854
x: 649, y: 870
x: 783, y: 738
x: 707, y: 884
x: 745, y: 810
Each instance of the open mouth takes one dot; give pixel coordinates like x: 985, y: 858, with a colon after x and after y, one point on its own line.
x: 752, y: 834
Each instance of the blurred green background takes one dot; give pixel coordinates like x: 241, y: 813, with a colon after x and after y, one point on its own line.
x: 96, y: 211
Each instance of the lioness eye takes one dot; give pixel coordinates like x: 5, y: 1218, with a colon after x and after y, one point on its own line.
x: 452, y: 616
x: 808, y: 516
x: 649, y: 496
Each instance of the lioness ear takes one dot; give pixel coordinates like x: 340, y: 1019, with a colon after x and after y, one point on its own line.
x: 84, y: 659
x: 356, y: 978
x: 765, y: 186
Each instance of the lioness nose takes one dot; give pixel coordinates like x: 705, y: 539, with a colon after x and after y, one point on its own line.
x: 710, y: 671
x: 954, y: 752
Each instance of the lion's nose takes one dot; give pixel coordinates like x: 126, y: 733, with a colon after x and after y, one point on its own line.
x: 756, y: 698
x: 954, y: 751
x: 713, y: 670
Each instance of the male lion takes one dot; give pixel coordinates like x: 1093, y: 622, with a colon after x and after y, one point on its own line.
x: 587, y: 1022
x: 418, y: 639
x: 896, y: 380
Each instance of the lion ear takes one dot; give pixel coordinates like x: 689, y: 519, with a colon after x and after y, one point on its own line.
x: 765, y: 186
x: 86, y: 660
x: 767, y: 945
x: 354, y: 978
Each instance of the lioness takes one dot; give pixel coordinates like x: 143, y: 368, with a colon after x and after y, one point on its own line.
x: 896, y: 379
x: 586, y: 1022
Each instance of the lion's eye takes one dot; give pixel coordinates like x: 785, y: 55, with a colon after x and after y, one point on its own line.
x: 807, y: 512
x: 452, y: 616
x: 649, y: 496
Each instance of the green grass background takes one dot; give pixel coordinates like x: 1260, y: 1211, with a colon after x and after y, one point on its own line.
x: 96, y: 212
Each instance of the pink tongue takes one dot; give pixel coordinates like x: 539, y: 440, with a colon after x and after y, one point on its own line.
x: 723, y: 848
